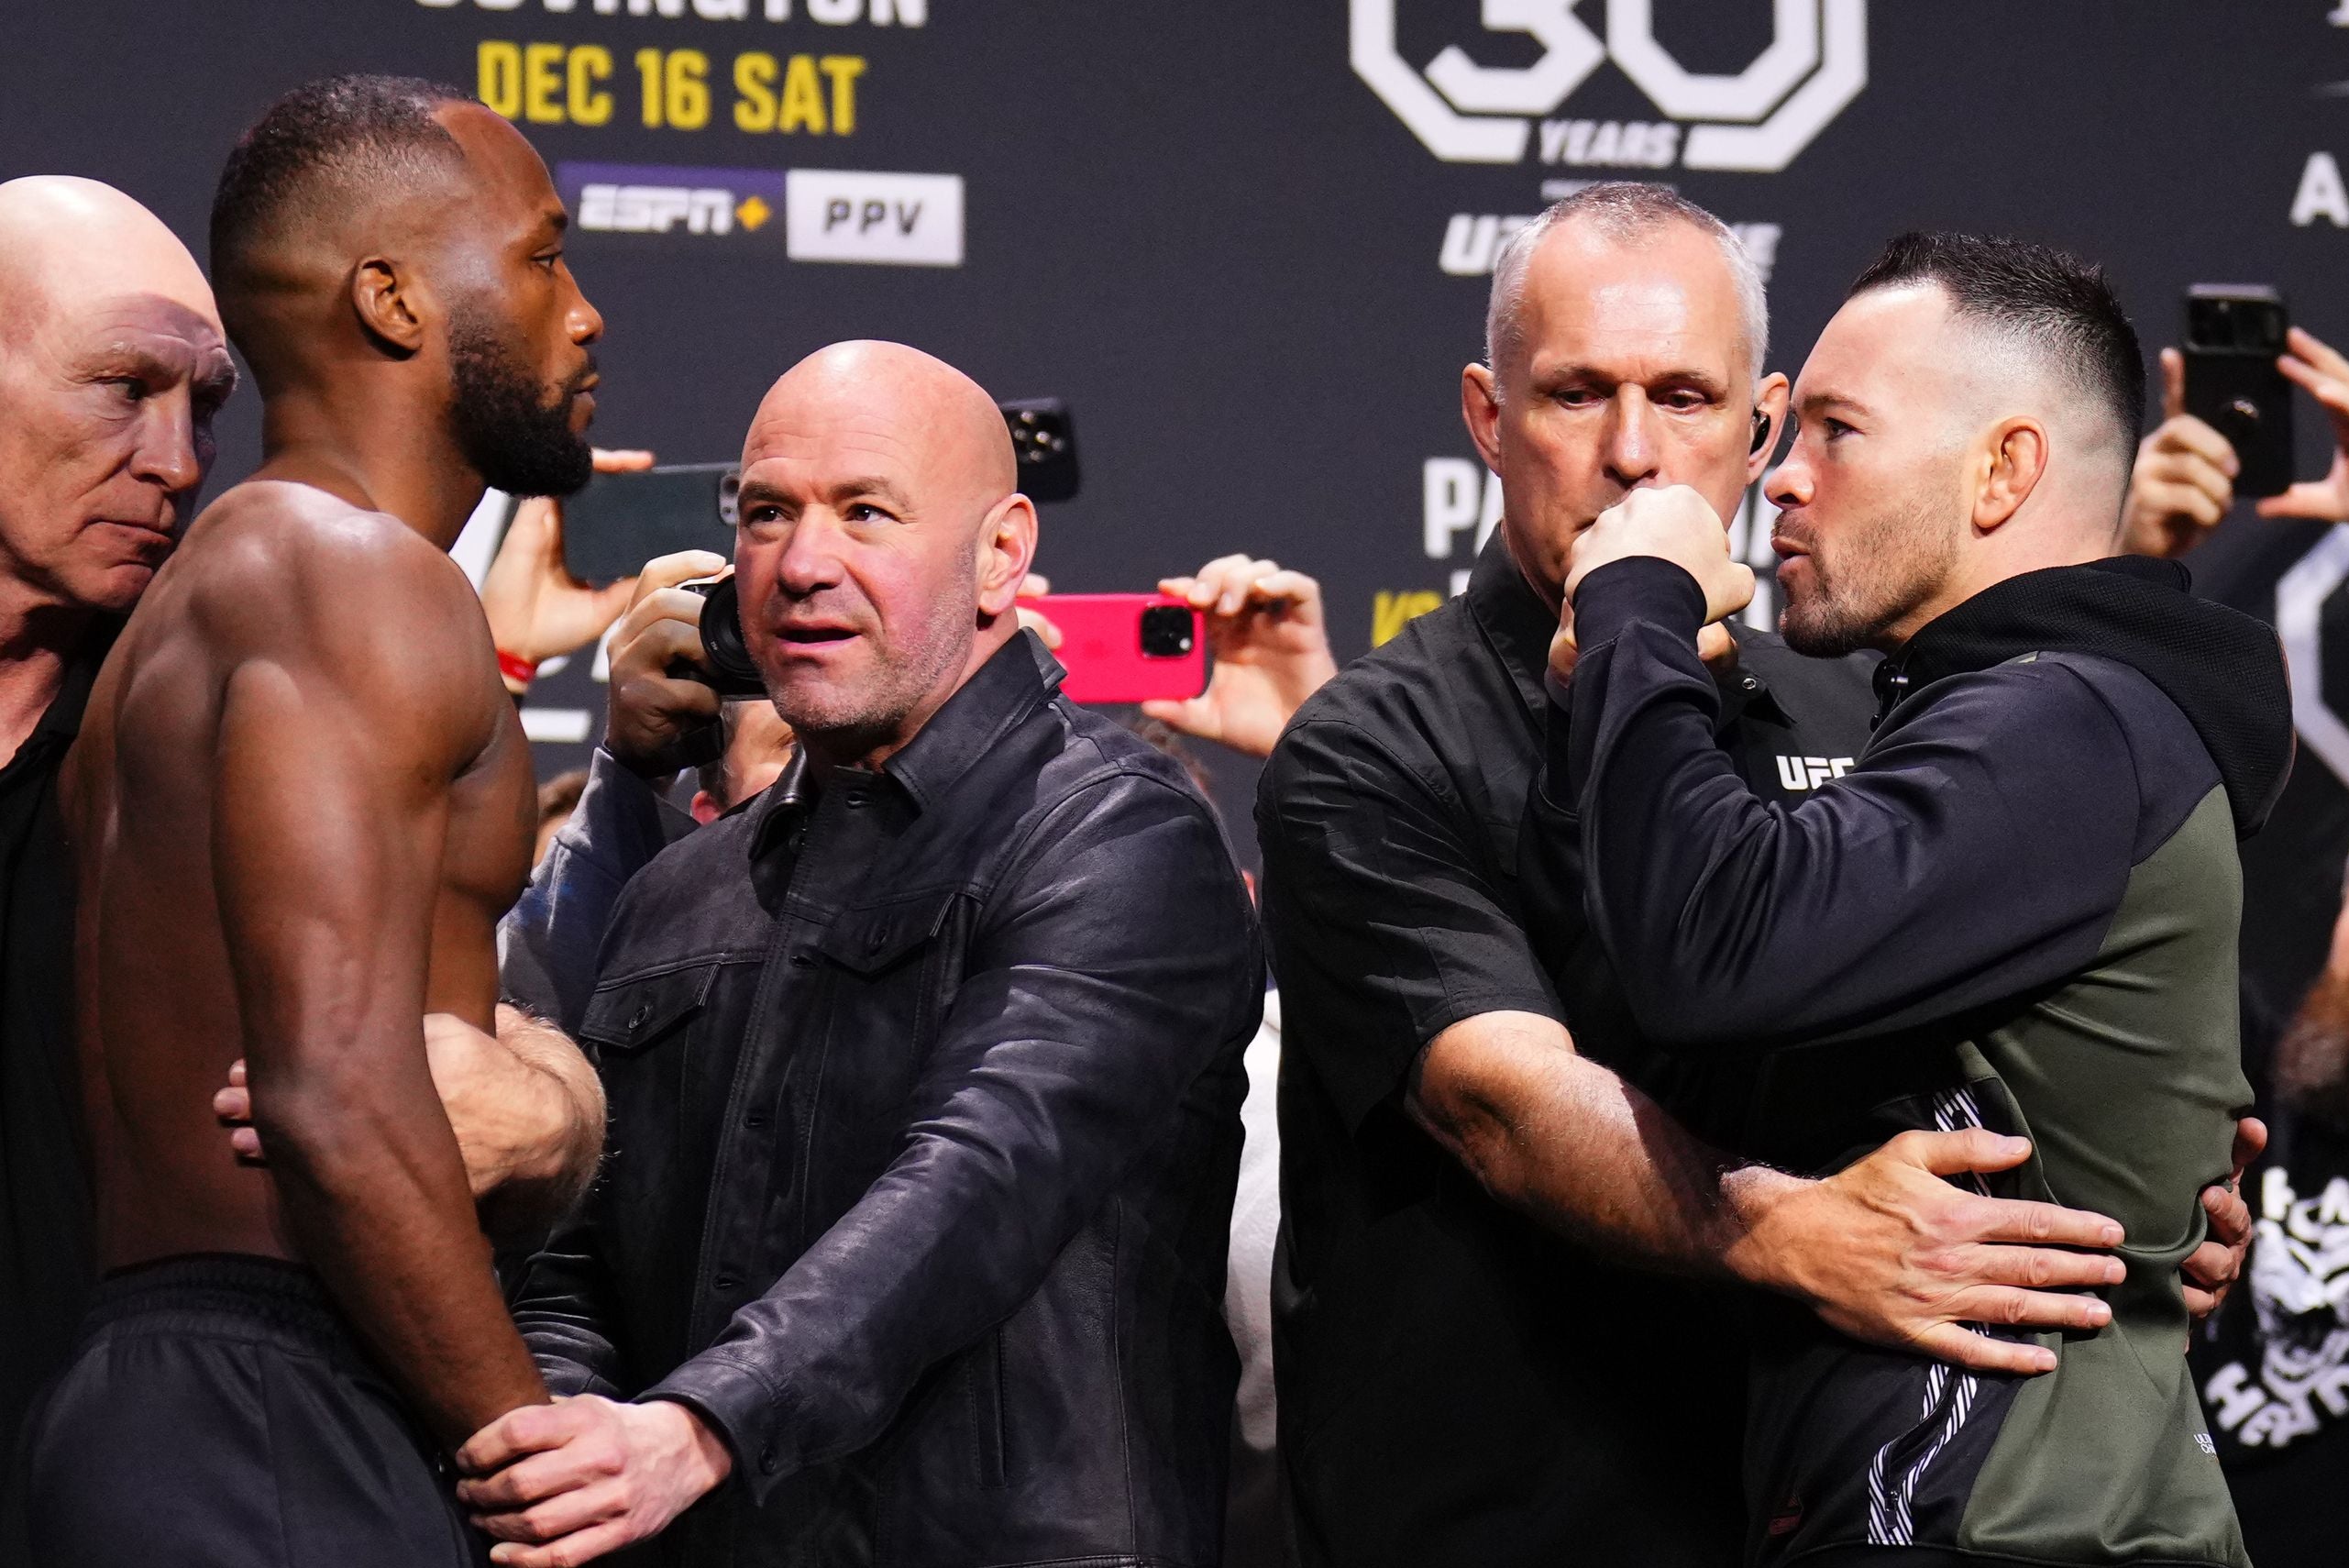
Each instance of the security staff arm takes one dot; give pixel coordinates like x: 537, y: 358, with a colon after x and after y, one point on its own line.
x: 1885, y: 1250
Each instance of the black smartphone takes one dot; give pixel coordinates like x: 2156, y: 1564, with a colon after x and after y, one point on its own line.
x: 1044, y: 440
x: 621, y: 521
x: 2234, y: 335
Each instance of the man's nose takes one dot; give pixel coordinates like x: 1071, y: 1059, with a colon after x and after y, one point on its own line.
x: 583, y: 321
x: 1788, y: 484
x: 809, y: 562
x: 1634, y: 453
x: 167, y: 455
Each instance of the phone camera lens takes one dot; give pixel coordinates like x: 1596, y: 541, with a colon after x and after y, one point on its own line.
x: 1166, y: 631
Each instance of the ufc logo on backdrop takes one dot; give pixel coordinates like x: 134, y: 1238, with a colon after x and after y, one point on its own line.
x: 1756, y: 120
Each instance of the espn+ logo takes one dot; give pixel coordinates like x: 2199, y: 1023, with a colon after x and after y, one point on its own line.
x: 1756, y: 120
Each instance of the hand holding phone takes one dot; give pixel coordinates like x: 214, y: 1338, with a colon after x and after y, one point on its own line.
x: 1126, y: 647
x: 2235, y: 335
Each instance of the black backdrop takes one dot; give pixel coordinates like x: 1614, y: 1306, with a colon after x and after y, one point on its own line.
x: 1229, y: 234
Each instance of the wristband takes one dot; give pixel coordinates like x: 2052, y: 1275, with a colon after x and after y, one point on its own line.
x: 514, y: 667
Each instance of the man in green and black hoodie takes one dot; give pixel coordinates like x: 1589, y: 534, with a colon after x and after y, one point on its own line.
x: 2018, y: 910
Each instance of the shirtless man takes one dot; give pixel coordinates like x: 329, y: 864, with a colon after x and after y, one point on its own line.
x: 301, y: 801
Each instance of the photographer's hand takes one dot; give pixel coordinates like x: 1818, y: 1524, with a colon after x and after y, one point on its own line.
x: 535, y: 608
x: 2183, y: 481
x: 2323, y: 374
x: 1271, y: 643
x: 652, y: 709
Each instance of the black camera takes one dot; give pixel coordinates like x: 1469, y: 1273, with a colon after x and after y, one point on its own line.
x: 727, y: 666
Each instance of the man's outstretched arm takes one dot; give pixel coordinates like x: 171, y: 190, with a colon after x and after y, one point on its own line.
x: 1885, y: 1250
x: 339, y: 738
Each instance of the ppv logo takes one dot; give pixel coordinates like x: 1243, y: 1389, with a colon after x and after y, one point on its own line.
x: 1756, y: 121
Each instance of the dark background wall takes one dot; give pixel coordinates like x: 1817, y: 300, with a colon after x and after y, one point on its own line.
x: 1204, y: 227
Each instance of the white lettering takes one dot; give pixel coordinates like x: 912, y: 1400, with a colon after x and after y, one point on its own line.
x: 1470, y: 244
x: 835, y: 13
x: 2321, y: 194
x: 1449, y: 489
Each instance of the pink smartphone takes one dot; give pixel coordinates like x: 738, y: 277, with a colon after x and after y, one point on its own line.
x: 1127, y: 647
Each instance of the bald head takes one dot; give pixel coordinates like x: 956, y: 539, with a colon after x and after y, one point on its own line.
x: 67, y: 242
x: 881, y: 543
x: 112, y: 367
x: 899, y: 398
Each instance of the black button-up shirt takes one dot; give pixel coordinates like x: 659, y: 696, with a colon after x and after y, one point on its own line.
x: 45, y: 1207
x: 925, y: 1091
x: 1457, y: 1384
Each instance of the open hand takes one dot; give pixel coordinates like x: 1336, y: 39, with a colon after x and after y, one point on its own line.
x: 1890, y: 1251
x: 1271, y: 643
x: 2323, y: 374
x: 535, y: 608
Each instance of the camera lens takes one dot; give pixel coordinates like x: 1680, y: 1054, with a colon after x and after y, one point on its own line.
x: 731, y: 671
x: 1167, y: 631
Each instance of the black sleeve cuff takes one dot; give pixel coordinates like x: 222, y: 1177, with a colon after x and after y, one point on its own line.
x: 1636, y: 588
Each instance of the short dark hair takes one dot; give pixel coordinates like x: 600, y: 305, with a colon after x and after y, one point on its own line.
x: 2052, y: 300
x: 322, y: 143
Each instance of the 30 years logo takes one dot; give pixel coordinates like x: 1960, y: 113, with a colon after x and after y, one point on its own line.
x: 1757, y: 120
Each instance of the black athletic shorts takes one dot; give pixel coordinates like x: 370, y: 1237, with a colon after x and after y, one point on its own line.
x: 218, y: 1414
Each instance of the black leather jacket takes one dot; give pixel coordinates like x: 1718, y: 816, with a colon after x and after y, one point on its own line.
x: 925, y: 1096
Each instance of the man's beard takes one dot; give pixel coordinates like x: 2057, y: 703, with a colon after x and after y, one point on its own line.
x: 1898, y: 559
x: 515, y: 443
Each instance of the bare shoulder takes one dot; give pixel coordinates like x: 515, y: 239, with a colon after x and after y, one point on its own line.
x: 343, y: 598
x: 279, y: 539
x: 280, y: 567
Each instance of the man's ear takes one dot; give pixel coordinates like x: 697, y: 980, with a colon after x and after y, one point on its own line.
x: 1771, y: 402
x: 1007, y: 549
x: 2011, y: 462
x: 1480, y: 407
x: 384, y: 297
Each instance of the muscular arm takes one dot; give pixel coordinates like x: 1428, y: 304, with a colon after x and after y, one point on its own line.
x: 339, y: 736
x: 1886, y: 1250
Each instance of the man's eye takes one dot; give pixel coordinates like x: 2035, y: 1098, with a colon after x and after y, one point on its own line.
x: 1837, y: 428
x: 549, y: 260
x: 864, y: 511
x: 132, y: 388
x: 1576, y: 397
